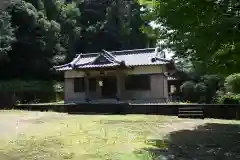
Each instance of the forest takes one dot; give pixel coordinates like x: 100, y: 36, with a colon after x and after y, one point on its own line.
x: 204, y: 36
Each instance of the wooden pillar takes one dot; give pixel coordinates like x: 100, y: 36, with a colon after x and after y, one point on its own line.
x: 86, y: 82
x: 119, y: 84
x: 165, y: 88
x: 98, y: 88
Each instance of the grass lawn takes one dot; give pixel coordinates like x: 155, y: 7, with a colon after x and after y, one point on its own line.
x: 54, y: 136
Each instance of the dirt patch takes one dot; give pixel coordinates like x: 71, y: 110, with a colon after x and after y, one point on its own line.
x: 16, y: 123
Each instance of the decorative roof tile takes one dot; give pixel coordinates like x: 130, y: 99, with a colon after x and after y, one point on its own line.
x: 137, y: 57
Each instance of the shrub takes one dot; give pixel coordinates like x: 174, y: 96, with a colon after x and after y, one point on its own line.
x: 213, y: 83
x: 25, y: 86
x: 232, y: 83
x: 212, y: 80
x: 230, y: 99
x: 31, y: 91
x: 30, y: 86
x: 187, y: 89
x: 218, y: 97
x: 200, y: 88
x: 58, y: 87
x: 200, y: 92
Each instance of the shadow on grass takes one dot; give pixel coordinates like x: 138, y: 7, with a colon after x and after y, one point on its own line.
x: 207, y: 142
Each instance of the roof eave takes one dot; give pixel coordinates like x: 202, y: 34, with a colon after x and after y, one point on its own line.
x: 70, y: 64
x: 102, y: 67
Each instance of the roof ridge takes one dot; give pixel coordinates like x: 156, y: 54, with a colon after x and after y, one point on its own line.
x: 130, y: 50
x: 89, y: 54
x: 77, y: 58
x: 118, y: 51
x: 133, y: 51
x: 105, y: 56
x: 110, y: 55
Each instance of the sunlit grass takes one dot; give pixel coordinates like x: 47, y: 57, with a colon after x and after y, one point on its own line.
x: 83, y: 137
x: 87, y: 137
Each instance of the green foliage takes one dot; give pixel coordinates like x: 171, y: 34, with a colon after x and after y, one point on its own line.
x: 52, y: 32
x: 200, y: 88
x: 232, y: 90
x: 212, y: 80
x: 232, y: 83
x: 149, y: 3
x: 187, y: 89
x: 207, y: 31
x: 184, y: 65
x: 194, y: 92
x: 32, y: 91
x: 203, y: 90
x: 58, y: 87
x: 229, y: 99
x: 213, y: 83
x: 219, y: 96
x: 230, y: 94
x: 37, y: 42
x: 7, y: 36
x: 30, y: 86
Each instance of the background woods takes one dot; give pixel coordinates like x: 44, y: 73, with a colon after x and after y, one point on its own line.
x: 203, y: 35
x: 38, y: 34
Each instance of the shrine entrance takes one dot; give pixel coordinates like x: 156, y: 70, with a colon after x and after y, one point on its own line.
x: 109, y: 87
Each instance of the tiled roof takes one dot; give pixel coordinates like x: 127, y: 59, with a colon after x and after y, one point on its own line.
x: 137, y: 57
x: 98, y: 65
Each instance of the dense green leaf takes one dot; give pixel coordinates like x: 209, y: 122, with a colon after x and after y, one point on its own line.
x: 52, y: 32
x: 7, y: 36
x: 232, y: 83
x: 207, y: 31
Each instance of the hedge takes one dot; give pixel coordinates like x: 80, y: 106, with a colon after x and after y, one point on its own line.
x: 19, y: 91
x: 30, y: 86
x: 230, y: 99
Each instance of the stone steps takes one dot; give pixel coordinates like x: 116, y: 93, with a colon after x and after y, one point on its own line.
x: 191, y: 112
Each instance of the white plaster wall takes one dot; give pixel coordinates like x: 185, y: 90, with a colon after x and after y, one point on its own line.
x: 146, y: 70
x: 158, y: 89
x: 158, y: 84
x: 73, y: 74
x: 69, y: 94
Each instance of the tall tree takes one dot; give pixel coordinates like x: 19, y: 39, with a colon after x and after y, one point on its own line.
x: 7, y: 36
x: 205, y: 30
x: 50, y: 31
x: 113, y: 25
x: 66, y: 14
x: 37, y: 42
